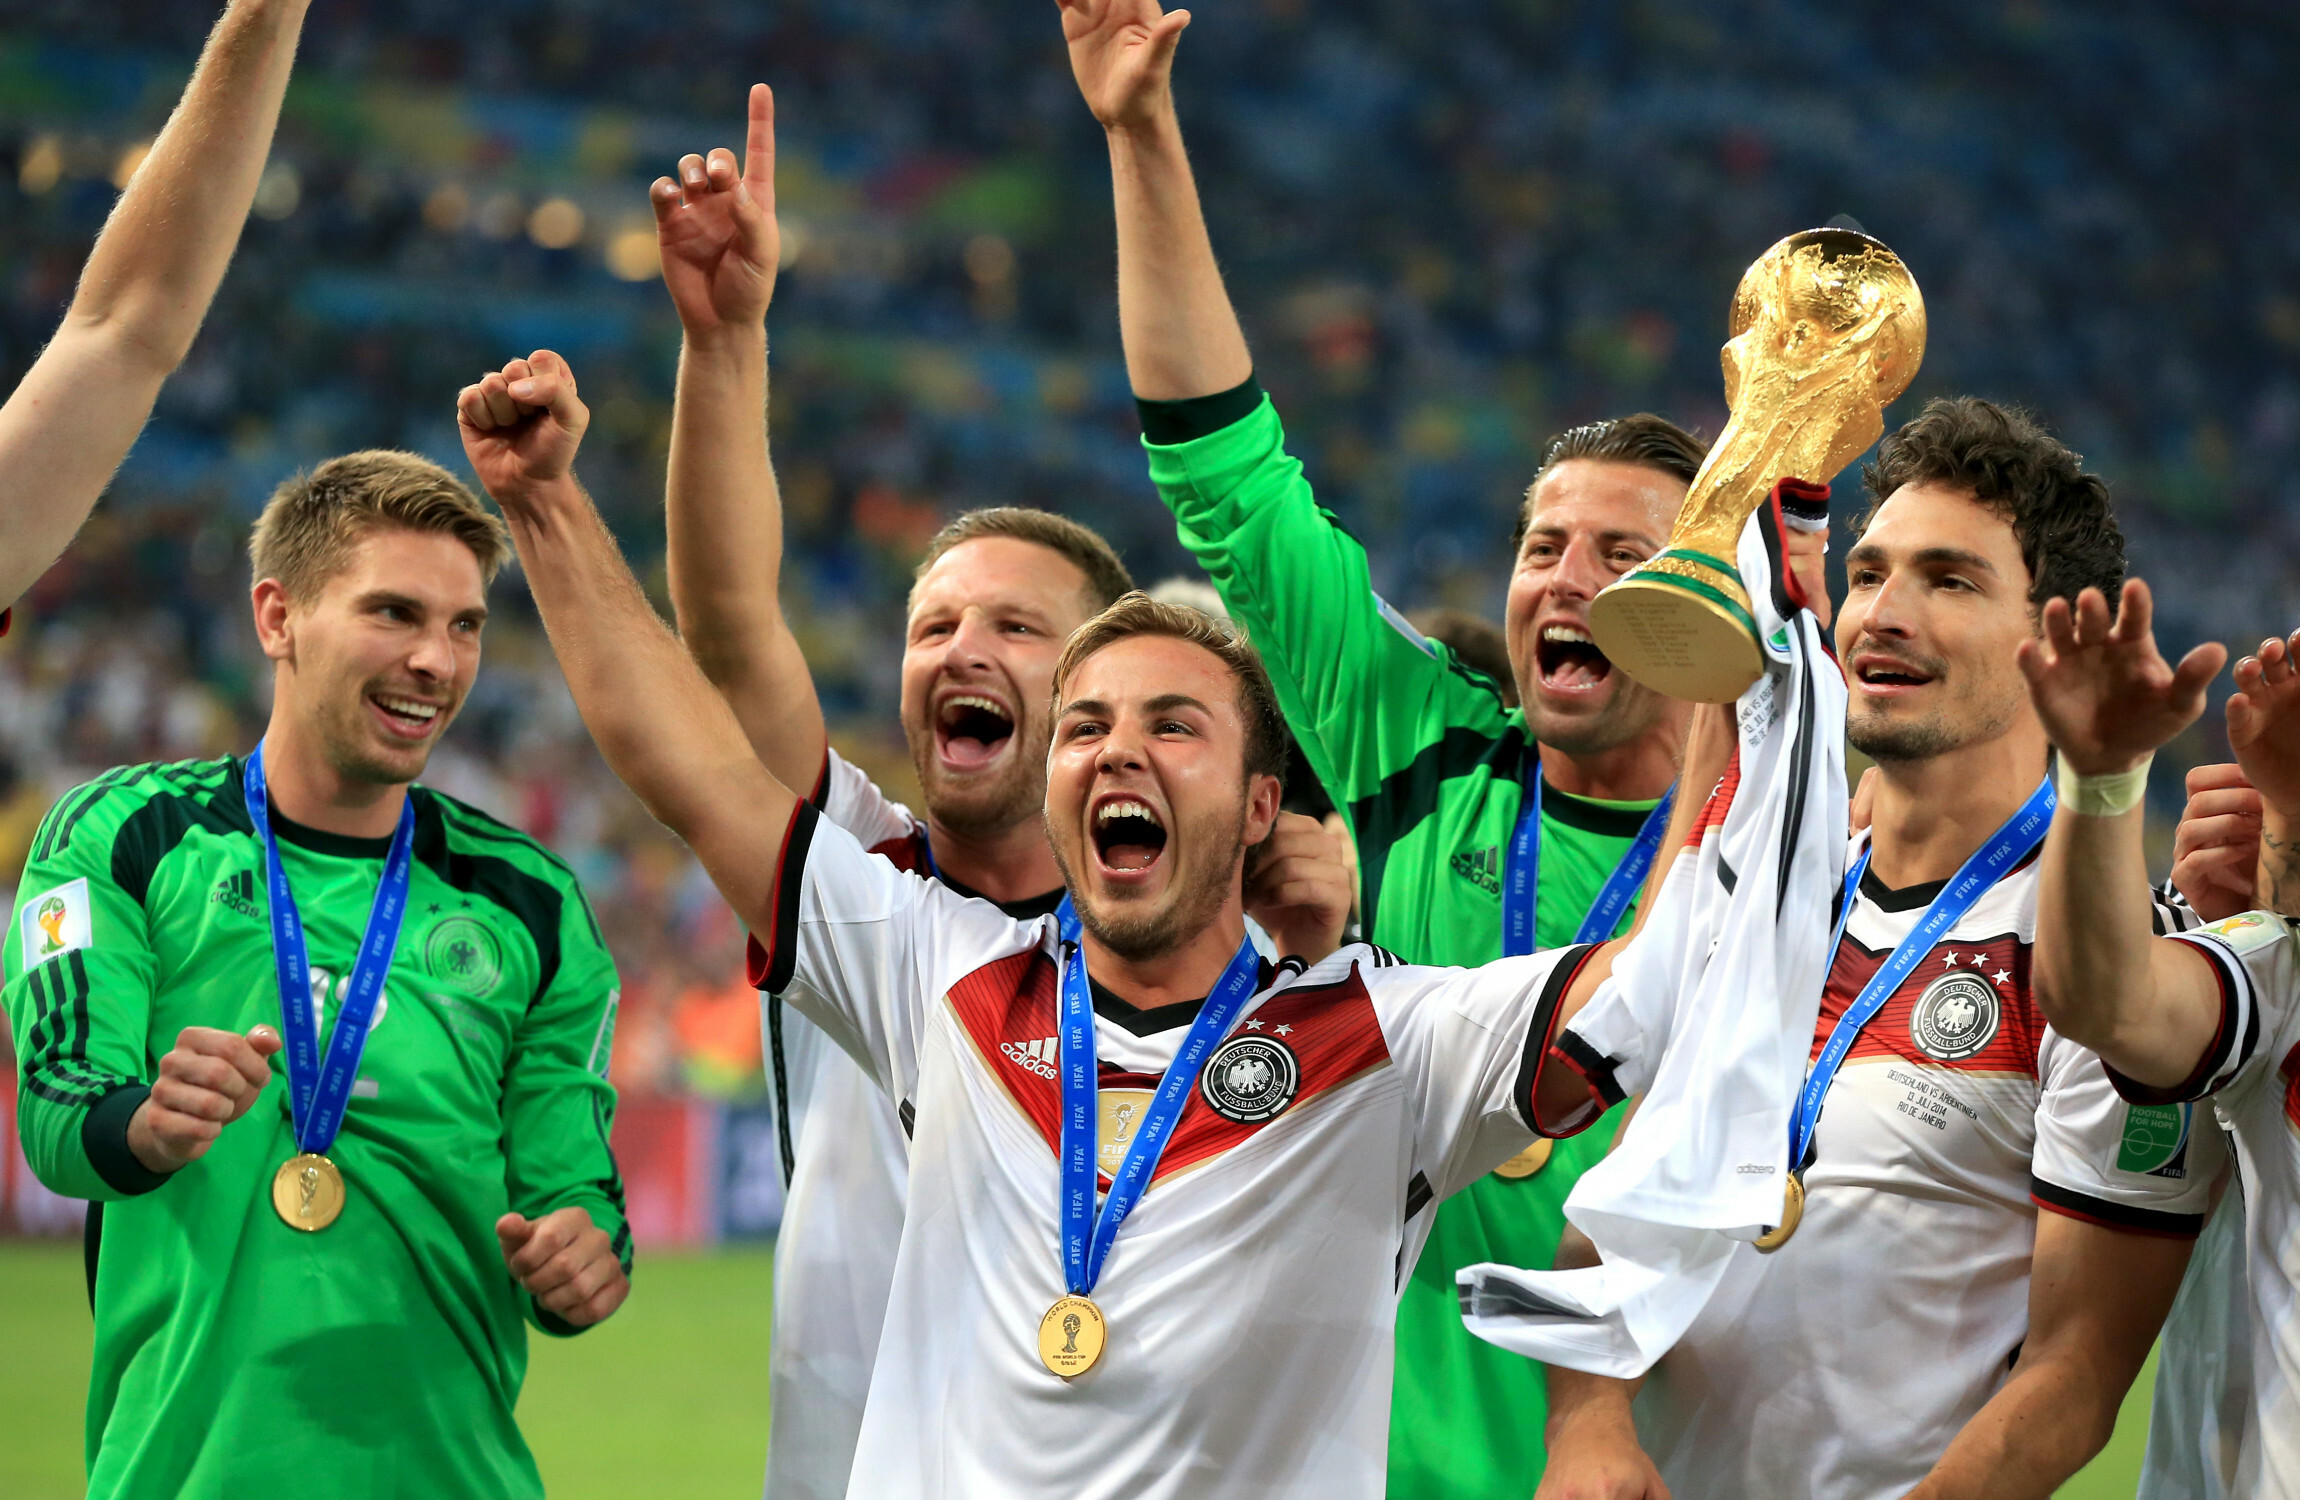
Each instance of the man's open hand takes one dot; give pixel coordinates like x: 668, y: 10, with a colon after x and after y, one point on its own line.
x: 2107, y: 698
x: 207, y: 1080
x: 716, y: 226
x: 522, y: 425
x: 567, y: 1264
x: 2264, y: 723
x: 1122, y: 53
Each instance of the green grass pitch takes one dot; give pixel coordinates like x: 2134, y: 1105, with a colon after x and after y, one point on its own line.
x: 669, y: 1399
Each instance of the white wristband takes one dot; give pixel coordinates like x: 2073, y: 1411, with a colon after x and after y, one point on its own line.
x: 2101, y: 796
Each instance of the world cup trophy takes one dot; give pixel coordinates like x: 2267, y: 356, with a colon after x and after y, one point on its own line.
x: 1828, y: 327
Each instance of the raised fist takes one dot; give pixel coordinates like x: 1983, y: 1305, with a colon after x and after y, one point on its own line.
x: 1122, y: 53
x: 522, y: 425
x: 716, y: 226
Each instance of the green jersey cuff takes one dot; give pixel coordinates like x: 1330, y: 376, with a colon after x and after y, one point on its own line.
x: 104, y: 1136
x: 1166, y: 423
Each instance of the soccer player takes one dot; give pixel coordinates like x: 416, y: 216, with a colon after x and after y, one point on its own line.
x: 997, y: 594
x: 323, y: 1282
x: 2204, y: 1015
x: 1286, y: 1120
x: 1449, y: 791
x: 1988, y: 1239
x: 146, y: 286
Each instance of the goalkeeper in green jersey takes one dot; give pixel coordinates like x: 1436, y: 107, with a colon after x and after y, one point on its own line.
x: 326, y: 1050
x: 1481, y: 829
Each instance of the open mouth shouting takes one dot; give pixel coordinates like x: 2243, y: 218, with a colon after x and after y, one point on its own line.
x: 403, y: 717
x: 1128, y: 835
x: 1884, y: 676
x: 970, y: 729
x: 1569, y: 661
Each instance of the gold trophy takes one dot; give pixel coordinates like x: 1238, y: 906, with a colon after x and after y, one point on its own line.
x: 1828, y: 327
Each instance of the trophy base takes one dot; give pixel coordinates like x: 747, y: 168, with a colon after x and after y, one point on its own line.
x: 1678, y: 637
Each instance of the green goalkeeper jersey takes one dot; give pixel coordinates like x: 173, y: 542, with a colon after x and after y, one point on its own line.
x: 381, y: 1356
x: 1426, y: 762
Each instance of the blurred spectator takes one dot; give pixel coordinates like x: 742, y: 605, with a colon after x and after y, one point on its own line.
x: 1478, y: 643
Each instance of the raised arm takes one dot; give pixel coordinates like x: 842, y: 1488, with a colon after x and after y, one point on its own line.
x: 1182, y: 336
x: 662, y: 729
x: 2150, y: 1008
x: 720, y: 243
x: 143, y: 292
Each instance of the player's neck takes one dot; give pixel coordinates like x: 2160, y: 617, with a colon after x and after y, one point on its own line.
x: 1014, y: 863
x: 1188, y: 972
x: 1930, y: 815
x: 306, y: 787
x: 1636, y: 772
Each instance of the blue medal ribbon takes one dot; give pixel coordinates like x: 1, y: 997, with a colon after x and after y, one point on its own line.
x: 1086, y: 1239
x: 1521, y: 880
x: 2006, y: 848
x: 319, y: 1089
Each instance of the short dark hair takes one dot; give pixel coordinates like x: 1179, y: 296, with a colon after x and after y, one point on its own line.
x: 1139, y: 614
x: 1106, y: 577
x: 308, y: 529
x: 1639, y: 438
x: 2060, y: 514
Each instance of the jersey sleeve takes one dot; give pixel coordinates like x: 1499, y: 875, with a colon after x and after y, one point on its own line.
x: 1469, y: 1043
x: 1365, y: 693
x: 854, y: 802
x: 864, y: 949
x: 81, y: 974
x: 558, y: 1107
x: 2143, y: 1168
x: 2257, y: 965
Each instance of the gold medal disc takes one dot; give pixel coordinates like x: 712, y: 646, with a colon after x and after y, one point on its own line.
x: 1792, y: 1212
x: 1070, y: 1336
x: 307, y: 1192
x: 1527, y: 1162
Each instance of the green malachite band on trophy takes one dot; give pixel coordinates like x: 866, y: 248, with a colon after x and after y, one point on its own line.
x: 1703, y: 558
x: 1716, y: 596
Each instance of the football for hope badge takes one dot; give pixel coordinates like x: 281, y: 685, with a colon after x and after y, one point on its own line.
x: 1250, y: 1078
x: 1956, y: 1016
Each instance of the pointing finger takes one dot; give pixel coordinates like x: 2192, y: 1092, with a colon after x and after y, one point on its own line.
x: 759, y: 145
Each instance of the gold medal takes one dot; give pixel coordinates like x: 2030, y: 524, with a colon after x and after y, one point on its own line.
x: 1070, y: 1336
x: 1527, y: 1162
x: 1792, y: 1213
x: 307, y: 1192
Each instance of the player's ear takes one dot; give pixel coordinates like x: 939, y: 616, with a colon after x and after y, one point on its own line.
x: 269, y: 601
x: 1263, y: 794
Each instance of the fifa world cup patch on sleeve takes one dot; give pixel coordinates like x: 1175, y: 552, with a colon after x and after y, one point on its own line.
x: 57, y: 922
x: 2248, y: 931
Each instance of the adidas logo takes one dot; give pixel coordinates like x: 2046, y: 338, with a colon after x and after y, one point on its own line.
x: 236, y: 892
x: 1038, y: 1057
x: 1480, y: 867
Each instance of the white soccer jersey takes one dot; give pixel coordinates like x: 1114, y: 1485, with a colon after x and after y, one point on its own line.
x: 2252, y: 1073
x: 843, y: 1202
x: 1841, y: 1366
x: 1251, y: 1295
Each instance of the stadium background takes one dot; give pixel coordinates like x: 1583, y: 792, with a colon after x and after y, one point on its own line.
x: 1454, y: 227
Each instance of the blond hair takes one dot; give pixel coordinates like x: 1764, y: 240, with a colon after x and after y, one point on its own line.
x: 1137, y: 614
x: 307, y: 531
